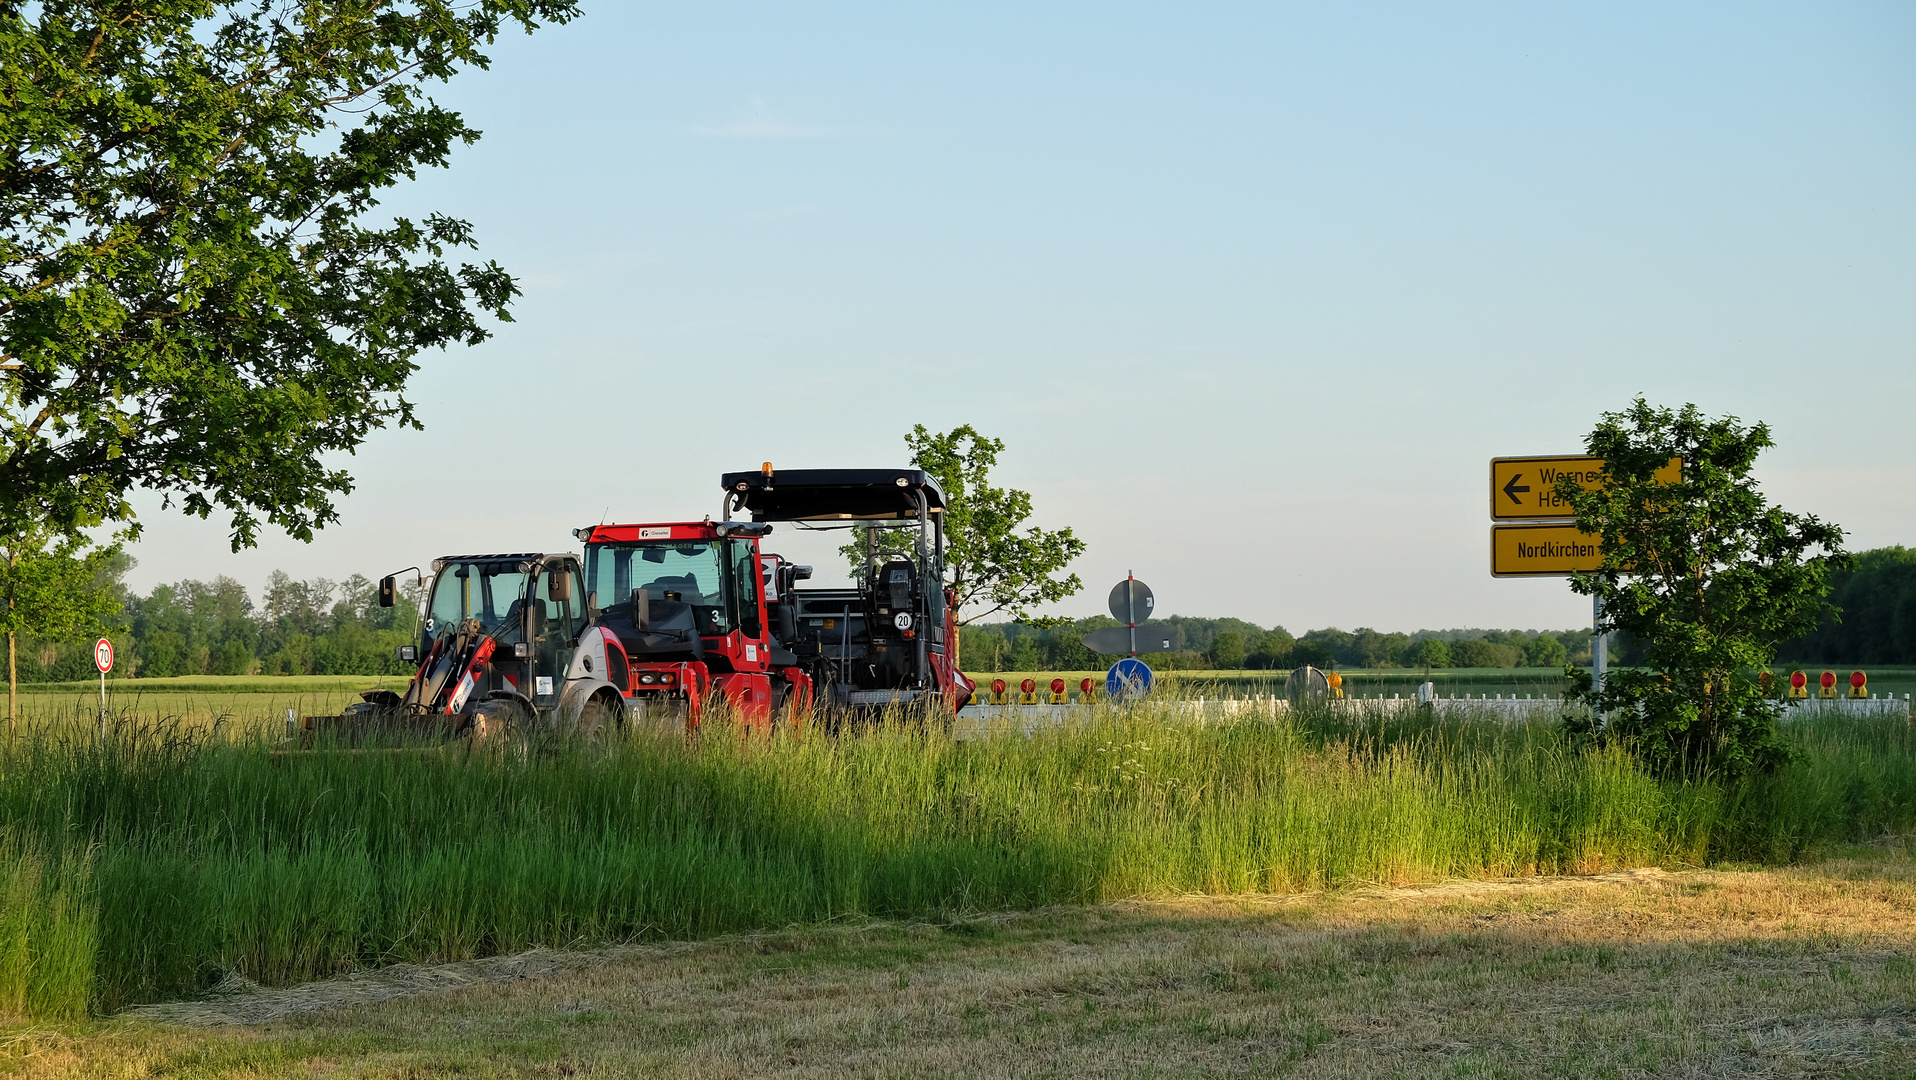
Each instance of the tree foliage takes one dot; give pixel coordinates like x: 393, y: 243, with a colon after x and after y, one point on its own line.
x: 1200, y: 644
x: 1877, y: 598
x: 1707, y: 576
x: 1432, y: 653
x: 54, y: 587
x: 192, y: 297
x: 994, y: 562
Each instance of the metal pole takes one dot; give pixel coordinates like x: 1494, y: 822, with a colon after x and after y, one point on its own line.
x: 102, y: 704
x: 1599, y: 642
x: 1131, y: 611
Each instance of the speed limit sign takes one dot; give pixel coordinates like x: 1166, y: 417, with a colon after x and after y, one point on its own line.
x: 103, y: 655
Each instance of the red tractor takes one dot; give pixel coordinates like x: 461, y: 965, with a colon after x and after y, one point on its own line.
x: 696, y: 609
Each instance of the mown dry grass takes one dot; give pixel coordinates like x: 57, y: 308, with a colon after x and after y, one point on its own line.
x: 1796, y: 972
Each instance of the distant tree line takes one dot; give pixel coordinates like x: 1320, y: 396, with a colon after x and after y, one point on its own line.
x: 1876, y: 620
x: 1234, y: 644
x: 315, y: 627
x: 325, y: 627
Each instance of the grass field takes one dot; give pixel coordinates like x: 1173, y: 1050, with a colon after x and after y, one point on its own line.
x: 153, y: 865
x: 1803, y: 972
x: 218, y: 684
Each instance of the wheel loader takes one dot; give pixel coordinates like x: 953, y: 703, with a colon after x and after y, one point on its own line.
x: 507, y: 644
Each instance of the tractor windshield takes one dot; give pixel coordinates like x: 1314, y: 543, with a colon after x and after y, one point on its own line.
x: 489, y: 592
x: 686, y: 571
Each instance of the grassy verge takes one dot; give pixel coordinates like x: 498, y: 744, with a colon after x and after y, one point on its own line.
x: 191, y: 857
x: 119, y: 689
x: 1800, y: 972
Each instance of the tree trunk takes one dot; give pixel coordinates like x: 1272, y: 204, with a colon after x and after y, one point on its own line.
x: 13, y: 674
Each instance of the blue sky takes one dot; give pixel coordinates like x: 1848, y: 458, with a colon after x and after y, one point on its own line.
x: 1253, y: 292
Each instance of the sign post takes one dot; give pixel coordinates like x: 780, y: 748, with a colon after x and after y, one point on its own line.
x: 1131, y: 603
x: 103, y: 659
x: 1599, y: 644
x: 1129, y: 598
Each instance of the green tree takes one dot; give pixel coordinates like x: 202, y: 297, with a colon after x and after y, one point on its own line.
x: 1877, y: 597
x: 1273, y: 650
x: 994, y: 562
x: 53, y: 588
x: 194, y: 299
x: 1707, y: 576
x: 1481, y: 653
x: 1227, y: 650
x: 1311, y: 652
x: 1545, y: 651
x: 1025, y: 654
x: 1433, y: 653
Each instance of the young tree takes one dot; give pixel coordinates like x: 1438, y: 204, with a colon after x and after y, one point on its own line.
x: 1707, y: 576
x: 192, y: 297
x: 993, y: 561
x: 53, y: 589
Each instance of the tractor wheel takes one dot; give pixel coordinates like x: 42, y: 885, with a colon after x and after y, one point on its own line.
x: 493, y: 721
x: 596, y: 722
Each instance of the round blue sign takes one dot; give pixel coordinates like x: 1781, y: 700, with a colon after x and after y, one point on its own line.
x: 1128, y: 678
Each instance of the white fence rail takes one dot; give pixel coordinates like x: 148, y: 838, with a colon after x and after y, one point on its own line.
x: 1886, y: 705
x: 980, y: 720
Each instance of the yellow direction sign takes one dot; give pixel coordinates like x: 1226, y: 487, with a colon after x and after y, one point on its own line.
x: 1525, y: 488
x: 1542, y: 551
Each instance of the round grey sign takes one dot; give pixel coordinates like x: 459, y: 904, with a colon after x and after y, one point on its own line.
x: 1306, y: 685
x: 1131, y: 601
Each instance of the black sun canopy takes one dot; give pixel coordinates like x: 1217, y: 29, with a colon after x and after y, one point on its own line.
x: 833, y: 494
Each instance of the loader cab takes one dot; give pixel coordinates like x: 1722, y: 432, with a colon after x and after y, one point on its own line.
x: 530, y: 607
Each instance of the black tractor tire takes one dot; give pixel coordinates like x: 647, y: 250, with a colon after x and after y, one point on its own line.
x: 597, y: 721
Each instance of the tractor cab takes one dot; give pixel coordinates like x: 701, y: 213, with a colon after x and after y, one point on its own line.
x: 686, y: 612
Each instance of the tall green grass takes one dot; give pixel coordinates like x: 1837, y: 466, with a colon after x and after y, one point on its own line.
x: 163, y: 859
x: 47, y: 933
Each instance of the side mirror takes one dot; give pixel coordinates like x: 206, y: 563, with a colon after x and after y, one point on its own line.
x: 559, y: 583
x: 641, y: 608
x: 388, y: 590
x: 591, y: 606
x: 408, y: 654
